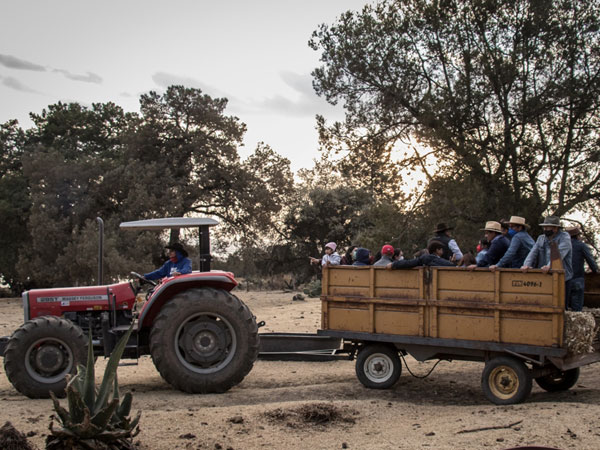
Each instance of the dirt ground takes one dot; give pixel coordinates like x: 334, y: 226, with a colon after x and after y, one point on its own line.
x: 321, y: 405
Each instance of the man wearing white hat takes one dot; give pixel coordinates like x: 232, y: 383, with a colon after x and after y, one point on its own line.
x: 498, y: 245
x: 520, y: 245
x: 539, y: 256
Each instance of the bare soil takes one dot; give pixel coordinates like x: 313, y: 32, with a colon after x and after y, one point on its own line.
x: 321, y: 405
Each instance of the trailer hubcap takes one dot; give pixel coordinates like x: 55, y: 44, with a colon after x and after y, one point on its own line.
x: 378, y: 368
x: 48, y: 360
x: 504, y: 382
x: 205, y: 342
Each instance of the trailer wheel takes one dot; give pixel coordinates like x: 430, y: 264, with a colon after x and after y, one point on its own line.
x: 559, y: 381
x: 378, y: 366
x: 204, y: 340
x: 506, y: 380
x: 41, y: 352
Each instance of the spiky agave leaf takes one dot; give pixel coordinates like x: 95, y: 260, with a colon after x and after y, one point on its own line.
x: 76, y: 380
x: 102, y: 418
x: 110, y: 372
x: 89, y: 379
x: 125, y: 406
x: 76, y: 404
x: 63, y: 414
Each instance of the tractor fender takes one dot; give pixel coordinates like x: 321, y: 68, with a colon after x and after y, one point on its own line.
x: 166, y: 291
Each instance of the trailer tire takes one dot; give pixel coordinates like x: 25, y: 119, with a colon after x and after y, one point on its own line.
x: 559, y: 381
x: 41, y: 352
x: 378, y: 366
x: 506, y: 380
x: 204, y: 341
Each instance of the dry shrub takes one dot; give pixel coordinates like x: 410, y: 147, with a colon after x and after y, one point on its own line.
x: 12, y: 439
x: 580, y: 330
x: 309, y: 415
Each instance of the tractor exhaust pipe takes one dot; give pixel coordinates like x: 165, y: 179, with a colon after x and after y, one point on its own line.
x: 100, y: 250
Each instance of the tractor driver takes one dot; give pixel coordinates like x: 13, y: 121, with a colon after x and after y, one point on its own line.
x: 178, y: 263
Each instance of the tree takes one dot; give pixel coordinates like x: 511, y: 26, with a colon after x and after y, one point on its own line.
x: 178, y: 157
x: 364, y: 160
x: 192, y: 141
x: 67, y: 157
x: 15, y: 202
x: 506, y: 92
x: 320, y: 215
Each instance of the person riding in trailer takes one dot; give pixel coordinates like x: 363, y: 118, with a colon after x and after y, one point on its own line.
x: 520, y: 245
x: 539, y: 255
x: 451, y: 249
x: 178, y: 263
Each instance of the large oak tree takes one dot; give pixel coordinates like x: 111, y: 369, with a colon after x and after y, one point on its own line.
x: 506, y: 92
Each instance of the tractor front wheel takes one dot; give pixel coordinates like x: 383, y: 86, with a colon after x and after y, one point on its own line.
x: 204, y: 340
x: 41, y: 352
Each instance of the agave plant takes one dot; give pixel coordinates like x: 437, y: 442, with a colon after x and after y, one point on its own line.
x: 95, y: 418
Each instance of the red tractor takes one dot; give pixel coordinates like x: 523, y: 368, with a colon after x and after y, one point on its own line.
x: 201, y: 337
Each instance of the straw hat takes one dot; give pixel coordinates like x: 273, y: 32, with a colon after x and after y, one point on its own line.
x: 516, y: 220
x: 492, y: 226
x: 573, y: 231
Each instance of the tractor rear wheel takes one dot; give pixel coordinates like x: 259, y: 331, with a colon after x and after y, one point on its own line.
x: 204, y: 340
x: 41, y: 352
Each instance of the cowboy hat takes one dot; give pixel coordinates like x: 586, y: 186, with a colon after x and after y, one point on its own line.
x: 551, y: 221
x: 492, y: 226
x: 516, y: 220
x: 573, y: 231
x: 441, y: 227
x: 176, y: 246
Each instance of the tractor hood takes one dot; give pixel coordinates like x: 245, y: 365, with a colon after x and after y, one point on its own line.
x: 56, y: 301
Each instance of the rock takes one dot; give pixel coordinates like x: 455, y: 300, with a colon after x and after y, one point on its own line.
x: 236, y: 419
x: 187, y: 436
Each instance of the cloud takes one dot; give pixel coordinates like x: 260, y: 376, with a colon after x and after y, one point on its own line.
x: 12, y: 62
x: 88, y: 78
x: 302, y: 83
x: 15, y: 84
x: 164, y: 80
x: 306, y: 104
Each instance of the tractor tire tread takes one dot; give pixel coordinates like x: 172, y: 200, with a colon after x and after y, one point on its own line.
x: 177, y: 375
x: 16, y: 350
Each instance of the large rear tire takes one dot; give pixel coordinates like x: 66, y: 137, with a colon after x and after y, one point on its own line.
x: 41, y: 352
x: 204, y: 340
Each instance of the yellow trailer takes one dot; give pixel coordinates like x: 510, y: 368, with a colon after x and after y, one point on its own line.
x: 513, y: 321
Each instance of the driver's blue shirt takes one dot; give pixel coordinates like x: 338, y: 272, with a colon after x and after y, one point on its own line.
x: 183, y: 266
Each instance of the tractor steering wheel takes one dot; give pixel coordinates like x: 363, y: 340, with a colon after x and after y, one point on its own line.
x: 143, y: 279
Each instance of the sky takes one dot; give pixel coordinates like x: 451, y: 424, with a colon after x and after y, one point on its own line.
x: 254, y: 53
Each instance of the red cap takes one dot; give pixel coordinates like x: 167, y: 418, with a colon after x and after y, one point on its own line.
x: 387, y: 250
